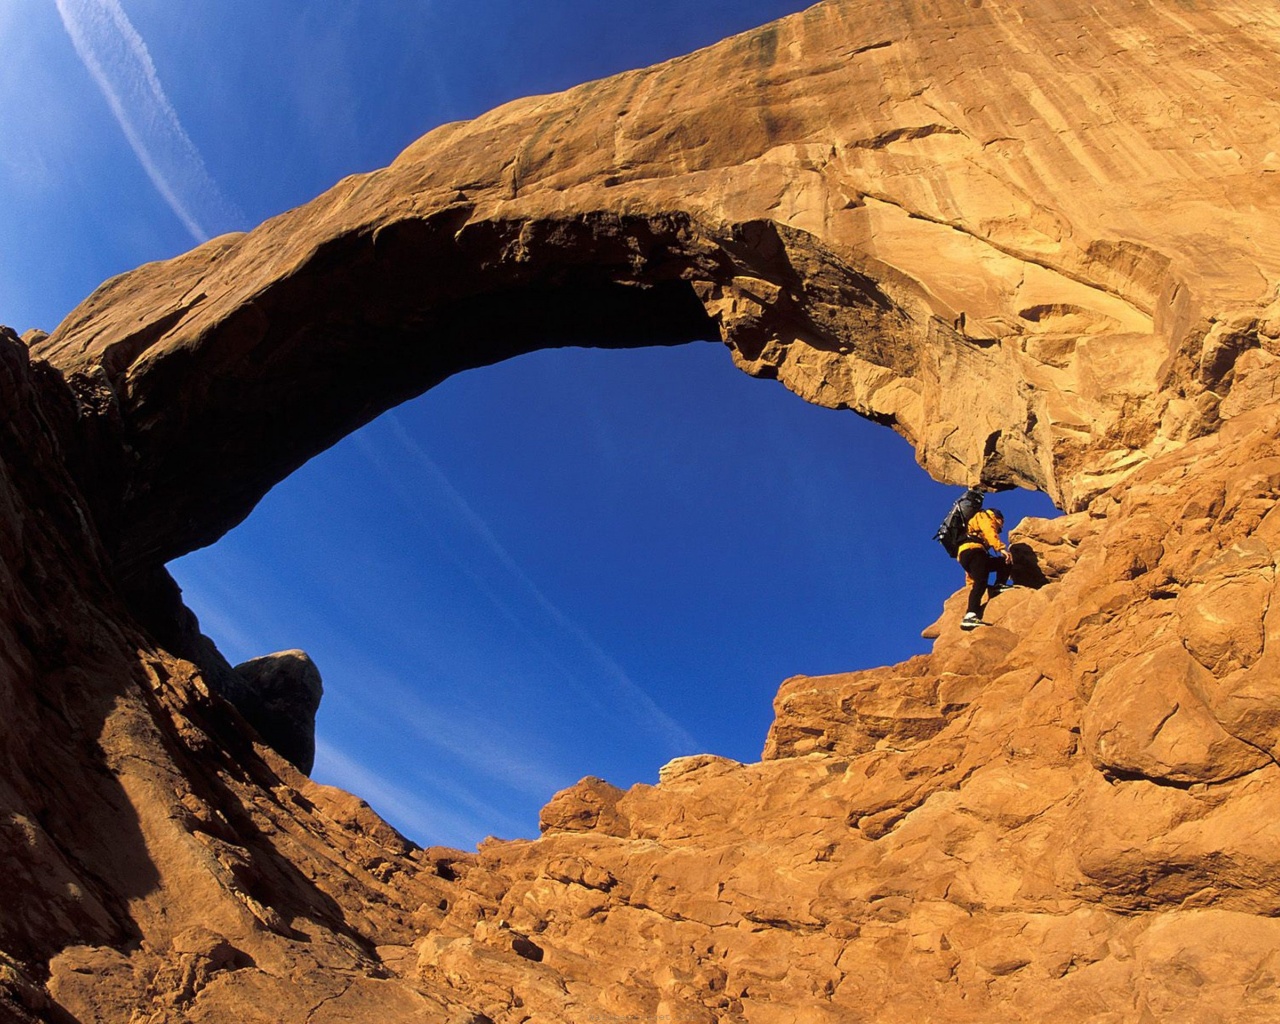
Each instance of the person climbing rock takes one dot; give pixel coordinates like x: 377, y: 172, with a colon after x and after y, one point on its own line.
x: 976, y: 557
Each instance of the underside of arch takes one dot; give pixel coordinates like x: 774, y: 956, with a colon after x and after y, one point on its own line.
x: 872, y: 219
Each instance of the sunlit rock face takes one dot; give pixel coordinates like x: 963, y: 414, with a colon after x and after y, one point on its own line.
x: 1037, y: 240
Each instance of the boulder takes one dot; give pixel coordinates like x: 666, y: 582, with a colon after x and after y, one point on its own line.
x: 280, y: 698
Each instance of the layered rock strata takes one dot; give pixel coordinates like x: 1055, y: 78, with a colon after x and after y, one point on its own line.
x: 1037, y: 242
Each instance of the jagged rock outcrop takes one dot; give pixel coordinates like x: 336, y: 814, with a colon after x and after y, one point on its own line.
x: 280, y: 699
x: 1038, y: 242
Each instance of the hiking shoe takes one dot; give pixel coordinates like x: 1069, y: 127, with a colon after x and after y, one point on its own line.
x: 970, y: 621
x: 1000, y: 588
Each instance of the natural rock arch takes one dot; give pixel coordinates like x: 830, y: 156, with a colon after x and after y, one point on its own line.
x: 986, y: 225
x: 818, y: 192
x: 214, y: 414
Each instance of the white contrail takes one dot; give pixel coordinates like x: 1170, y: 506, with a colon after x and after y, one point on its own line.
x: 630, y: 695
x: 118, y: 60
x: 424, y: 820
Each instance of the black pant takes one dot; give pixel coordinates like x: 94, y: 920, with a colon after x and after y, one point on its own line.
x: 978, y: 563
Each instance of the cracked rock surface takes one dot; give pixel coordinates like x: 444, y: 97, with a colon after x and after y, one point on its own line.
x: 1036, y: 240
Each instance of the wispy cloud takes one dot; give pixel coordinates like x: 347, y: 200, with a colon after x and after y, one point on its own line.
x: 442, y: 761
x: 631, y: 699
x: 230, y: 597
x: 479, y: 743
x: 118, y: 60
x: 423, y: 820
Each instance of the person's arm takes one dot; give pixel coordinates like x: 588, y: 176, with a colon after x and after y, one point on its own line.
x: 991, y: 535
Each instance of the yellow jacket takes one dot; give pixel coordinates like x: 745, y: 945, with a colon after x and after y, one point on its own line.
x: 983, y: 533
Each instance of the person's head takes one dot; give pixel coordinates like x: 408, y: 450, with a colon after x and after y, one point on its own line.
x: 998, y: 516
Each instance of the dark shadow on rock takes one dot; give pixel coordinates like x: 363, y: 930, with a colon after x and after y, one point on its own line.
x: 72, y: 851
x: 1026, y: 567
x: 95, y: 732
x: 283, y: 692
x: 277, y: 694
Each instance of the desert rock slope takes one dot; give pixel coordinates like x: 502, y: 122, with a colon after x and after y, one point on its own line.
x: 1039, y: 240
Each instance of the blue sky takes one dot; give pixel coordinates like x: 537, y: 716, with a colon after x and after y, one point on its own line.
x: 574, y: 563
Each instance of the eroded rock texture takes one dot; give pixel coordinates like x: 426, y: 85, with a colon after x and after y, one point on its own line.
x: 1037, y: 240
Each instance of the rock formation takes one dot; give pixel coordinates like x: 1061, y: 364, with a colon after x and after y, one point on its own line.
x: 1036, y: 240
x: 280, y: 697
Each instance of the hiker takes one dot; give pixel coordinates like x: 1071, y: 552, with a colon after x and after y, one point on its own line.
x: 975, y: 556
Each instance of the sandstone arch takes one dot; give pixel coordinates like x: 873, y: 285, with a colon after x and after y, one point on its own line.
x: 881, y: 221
x: 1039, y: 243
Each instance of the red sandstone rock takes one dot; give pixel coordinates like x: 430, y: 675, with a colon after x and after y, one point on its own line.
x: 1036, y: 241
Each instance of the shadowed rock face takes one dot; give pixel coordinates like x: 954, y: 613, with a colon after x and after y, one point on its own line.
x: 280, y: 699
x: 1038, y: 243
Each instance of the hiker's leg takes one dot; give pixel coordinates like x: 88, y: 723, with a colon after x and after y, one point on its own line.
x: 975, y: 566
x: 1002, y: 569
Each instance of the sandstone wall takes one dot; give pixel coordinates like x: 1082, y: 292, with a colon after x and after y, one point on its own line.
x: 1039, y: 242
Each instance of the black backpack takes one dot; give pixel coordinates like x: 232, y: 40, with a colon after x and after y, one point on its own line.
x: 955, y: 527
